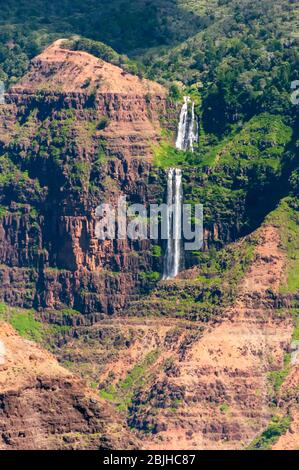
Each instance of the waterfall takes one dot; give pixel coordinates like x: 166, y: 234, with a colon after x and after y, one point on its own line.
x: 173, y: 256
x: 181, y: 142
x: 188, y: 127
x: 193, y: 131
x: 186, y: 138
x: 177, y: 221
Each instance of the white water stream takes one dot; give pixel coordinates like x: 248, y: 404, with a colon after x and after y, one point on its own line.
x: 173, y: 257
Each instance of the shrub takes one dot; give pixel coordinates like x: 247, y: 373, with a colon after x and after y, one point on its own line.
x: 103, y: 123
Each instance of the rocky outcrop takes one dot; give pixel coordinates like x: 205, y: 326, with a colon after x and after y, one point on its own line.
x: 43, y: 406
x: 178, y: 383
x: 75, y: 132
x: 129, y: 106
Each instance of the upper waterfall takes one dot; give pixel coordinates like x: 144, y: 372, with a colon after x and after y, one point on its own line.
x: 188, y: 126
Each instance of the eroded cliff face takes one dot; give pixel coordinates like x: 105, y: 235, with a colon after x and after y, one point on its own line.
x: 78, y: 80
x: 43, y: 406
x: 75, y: 132
x: 288, y: 403
x: 186, y: 366
x: 198, y: 385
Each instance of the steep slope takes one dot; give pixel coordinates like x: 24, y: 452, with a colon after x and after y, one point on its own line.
x: 75, y: 132
x: 289, y: 404
x: 73, y: 78
x: 195, y: 385
x: 43, y: 406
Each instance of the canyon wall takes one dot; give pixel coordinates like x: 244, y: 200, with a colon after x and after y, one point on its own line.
x: 43, y: 406
x: 74, y: 133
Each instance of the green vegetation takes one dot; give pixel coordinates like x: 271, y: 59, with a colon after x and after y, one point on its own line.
x: 122, y: 393
x: 69, y: 312
x: 103, y: 123
x: 16, y: 184
x: 166, y: 156
x: 152, y: 276
x: 262, y: 141
x: 26, y: 323
x: 277, y: 427
x: 234, y: 178
x: 207, y: 295
x: 227, y: 266
x: 296, y: 325
x: 157, y: 251
x: 104, y: 52
x: 2, y: 310
x: 286, y: 219
x: 224, y: 408
x: 240, y: 57
x: 3, y: 211
x: 27, y: 27
x: 23, y: 322
x: 236, y: 59
x: 276, y: 378
x: 236, y: 62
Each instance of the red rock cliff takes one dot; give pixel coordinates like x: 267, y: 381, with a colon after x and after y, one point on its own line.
x: 76, y: 131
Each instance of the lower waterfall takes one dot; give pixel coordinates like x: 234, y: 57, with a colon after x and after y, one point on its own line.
x: 173, y: 256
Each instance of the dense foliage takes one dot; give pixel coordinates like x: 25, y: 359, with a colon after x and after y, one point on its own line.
x: 236, y: 58
x: 242, y: 55
x: 26, y: 27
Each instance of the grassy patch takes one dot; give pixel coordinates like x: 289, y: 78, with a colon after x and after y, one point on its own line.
x: 157, y: 251
x: 122, y: 393
x: 25, y: 323
x: 208, y: 294
x: 276, y: 378
x: 296, y: 325
x: 286, y: 219
x: 69, y: 312
x: 277, y: 427
x: 224, y: 408
x: 166, y: 156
